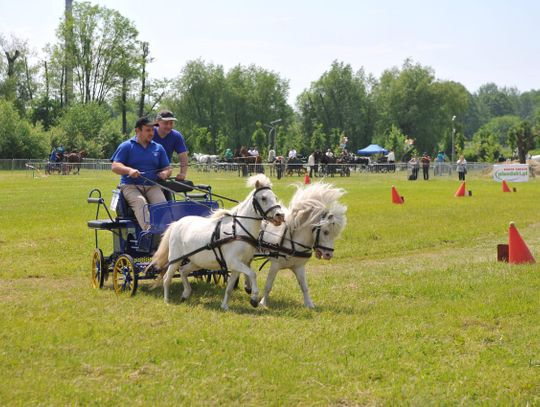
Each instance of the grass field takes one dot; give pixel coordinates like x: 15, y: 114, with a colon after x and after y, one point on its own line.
x: 413, y: 309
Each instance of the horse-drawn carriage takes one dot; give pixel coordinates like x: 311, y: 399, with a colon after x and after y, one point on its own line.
x: 132, y: 246
x: 64, y: 164
x: 217, y: 244
x: 295, y: 165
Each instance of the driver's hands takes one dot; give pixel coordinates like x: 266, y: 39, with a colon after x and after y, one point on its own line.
x: 180, y: 177
x: 133, y: 173
x: 163, y: 175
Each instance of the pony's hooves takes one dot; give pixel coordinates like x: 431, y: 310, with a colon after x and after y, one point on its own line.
x: 248, y: 290
x: 254, y: 303
x: 182, y: 299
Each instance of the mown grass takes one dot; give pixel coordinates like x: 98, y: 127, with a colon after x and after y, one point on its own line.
x: 413, y: 309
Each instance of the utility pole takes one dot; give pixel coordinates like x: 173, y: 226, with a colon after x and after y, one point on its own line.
x: 68, y: 49
x: 453, y: 136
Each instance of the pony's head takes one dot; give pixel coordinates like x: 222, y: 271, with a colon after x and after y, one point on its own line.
x: 317, y: 206
x: 264, y: 200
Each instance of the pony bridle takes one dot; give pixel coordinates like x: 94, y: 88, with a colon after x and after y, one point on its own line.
x: 257, y: 206
x: 316, y: 244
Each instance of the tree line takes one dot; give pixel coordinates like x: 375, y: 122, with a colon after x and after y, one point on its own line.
x: 86, y: 90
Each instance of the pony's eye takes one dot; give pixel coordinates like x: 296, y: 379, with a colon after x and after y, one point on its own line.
x: 263, y: 198
x: 326, y: 233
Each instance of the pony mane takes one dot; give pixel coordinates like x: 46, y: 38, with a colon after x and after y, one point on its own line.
x: 315, y: 201
x: 263, y: 181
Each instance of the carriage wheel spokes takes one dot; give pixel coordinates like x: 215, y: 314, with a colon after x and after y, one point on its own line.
x: 125, y: 279
x: 98, y: 269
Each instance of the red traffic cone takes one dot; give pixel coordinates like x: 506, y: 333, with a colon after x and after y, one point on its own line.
x: 306, y: 179
x: 396, y: 198
x: 461, y: 190
x: 505, y: 187
x: 518, y: 252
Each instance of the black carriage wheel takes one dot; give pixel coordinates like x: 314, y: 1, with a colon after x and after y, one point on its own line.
x: 98, y: 269
x: 125, y: 279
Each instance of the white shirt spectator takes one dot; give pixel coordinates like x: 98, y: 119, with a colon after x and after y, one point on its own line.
x: 254, y: 152
x: 391, y: 156
x: 292, y: 153
x: 311, y: 160
x: 329, y: 153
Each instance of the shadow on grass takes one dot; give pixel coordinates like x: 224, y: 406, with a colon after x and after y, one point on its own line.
x: 210, y: 296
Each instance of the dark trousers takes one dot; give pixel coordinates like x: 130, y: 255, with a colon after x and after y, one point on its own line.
x: 425, y: 171
x: 461, y: 175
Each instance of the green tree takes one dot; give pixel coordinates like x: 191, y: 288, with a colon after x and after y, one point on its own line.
x: 318, y: 139
x: 395, y: 140
x: 100, y: 40
x: 80, y: 128
x: 259, y: 138
x: 339, y: 101
x: 19, y: 139
x: 522, y: 137
x: 421, y: 107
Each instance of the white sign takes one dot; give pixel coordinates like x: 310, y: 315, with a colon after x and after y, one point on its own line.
x: 511, y: 172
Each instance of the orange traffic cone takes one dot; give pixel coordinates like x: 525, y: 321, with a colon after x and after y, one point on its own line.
x: 505, y: 187
x: 461, y: 190
x: 306, y: 179
x: 396, y: 198
x: 518, y: 252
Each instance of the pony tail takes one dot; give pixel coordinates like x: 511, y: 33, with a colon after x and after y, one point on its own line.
x: 160, y: 259
x: 161, y: 256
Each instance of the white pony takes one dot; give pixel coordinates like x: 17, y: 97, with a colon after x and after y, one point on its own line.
x: 205, y: 158
x: 225, y: 240
x: 313, y: 221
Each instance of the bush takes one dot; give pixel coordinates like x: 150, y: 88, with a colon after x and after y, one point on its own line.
x: 18, y: 138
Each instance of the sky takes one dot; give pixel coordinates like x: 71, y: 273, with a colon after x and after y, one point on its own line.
x: 468, y: 41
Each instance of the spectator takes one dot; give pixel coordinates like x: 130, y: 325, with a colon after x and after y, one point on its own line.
x: 254, y: 152
x: 292, y: 153
x: 426, y: 161
x: 141, y: 157
x: 461, y: 167
x: 311, y: 164
x: 171, y: 140
x: 391, y: 159
x: 415, y: 166
x: 271, y: 155
x: 228, y: 156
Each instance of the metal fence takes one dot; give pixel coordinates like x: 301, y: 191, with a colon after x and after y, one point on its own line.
x: 436, y: 169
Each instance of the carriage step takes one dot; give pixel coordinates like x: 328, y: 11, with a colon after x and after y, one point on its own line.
x: 107, y: 224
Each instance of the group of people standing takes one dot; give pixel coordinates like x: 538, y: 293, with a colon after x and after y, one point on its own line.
x: 425, y: 162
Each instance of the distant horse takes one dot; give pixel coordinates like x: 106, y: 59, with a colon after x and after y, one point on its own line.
x: 314, y: 219
x: 295, y: 165
x: 328, y: 166
x: 225, y: 240
x: 253, y: 163
x: 73, y: 160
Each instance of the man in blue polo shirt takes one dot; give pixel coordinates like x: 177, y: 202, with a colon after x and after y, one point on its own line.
x: 172, y: 140
x: 139, y: 158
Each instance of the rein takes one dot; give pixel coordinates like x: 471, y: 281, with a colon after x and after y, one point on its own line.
x: 216, y: 243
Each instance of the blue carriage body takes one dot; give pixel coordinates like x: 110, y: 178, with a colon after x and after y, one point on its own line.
x: 133, y: 245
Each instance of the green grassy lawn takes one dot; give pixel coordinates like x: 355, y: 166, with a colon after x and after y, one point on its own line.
x: 413, y: 309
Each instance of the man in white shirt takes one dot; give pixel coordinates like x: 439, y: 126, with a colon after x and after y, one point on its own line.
x: 292, y: 153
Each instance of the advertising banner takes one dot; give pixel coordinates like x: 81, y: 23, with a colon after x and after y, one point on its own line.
x: 511, y: 172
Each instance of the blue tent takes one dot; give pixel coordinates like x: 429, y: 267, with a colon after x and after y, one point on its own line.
x: 372, y: 149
